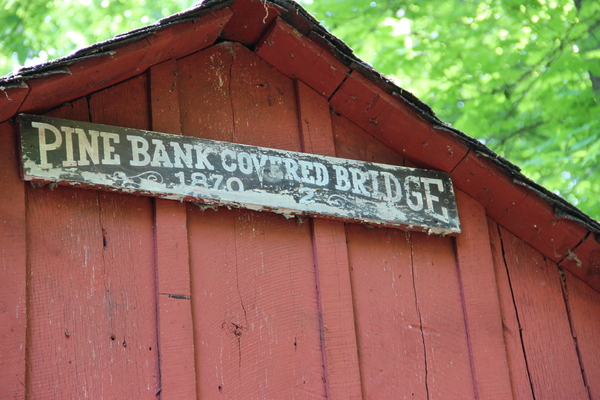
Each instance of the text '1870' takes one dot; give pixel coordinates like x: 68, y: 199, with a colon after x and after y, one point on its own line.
x: 221, y: 173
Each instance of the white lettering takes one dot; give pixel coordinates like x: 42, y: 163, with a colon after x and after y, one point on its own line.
x: 218, y: 179
x: 291, y: 168
x: 182, y: 155
x: 88, y: 148
x: 139, y: 148
x: 342, y: 178
x: 160, y: 157
x: 228, y: 154
x: 70, y: 161
x: 45, y: 147
x: 388, y: 179
x: 430, y: 198
x: 109, y: 158
x: 199, y: 178
x: 418, y: 206
x: 237, y: 181
x: 358, y: 181
x: 259, y: 165
x: 245, y: 163
x: 375, y: 184
x: 305, y: 168
x: 308, y: 195
x: 322, y: 174
x: 201, y: 158
x: 181, y: 177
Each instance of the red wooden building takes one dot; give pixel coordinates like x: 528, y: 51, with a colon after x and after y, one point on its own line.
x: 116, y: 295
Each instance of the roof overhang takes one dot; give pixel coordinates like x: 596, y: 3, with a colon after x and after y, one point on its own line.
x: 277, y: 29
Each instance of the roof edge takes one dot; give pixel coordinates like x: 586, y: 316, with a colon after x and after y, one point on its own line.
x: 304, y: 22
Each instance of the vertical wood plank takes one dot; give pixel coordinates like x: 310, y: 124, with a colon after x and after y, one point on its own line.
x: 127, y: 223
x: 164, y: 98
x: 316, y: 133
x: 584, y: 310
x: 351, y: 141
x: 391, y: 342
x: 13, y: 268
x: 549, y: 348
x: 92, y: 323
x: 517, y: 363
x: 264, y: 102
x: 130, y: 299
x: 175, y: 326
x: 337, y: 313
x: 64, y: 257
x: 442, y: 320
x: 128, y: 229
x: 342, y: 373
x: 254, y: 298
x: 69, y: 335
x: 244, y: 99
x: 203, y: 82
x: 255, y: 306
x: 481, y: 304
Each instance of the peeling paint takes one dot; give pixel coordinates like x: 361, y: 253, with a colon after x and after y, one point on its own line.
x: 220, y: 173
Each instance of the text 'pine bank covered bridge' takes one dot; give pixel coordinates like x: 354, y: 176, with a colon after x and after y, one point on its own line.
x: 229, y: 204
x: 221, y: 173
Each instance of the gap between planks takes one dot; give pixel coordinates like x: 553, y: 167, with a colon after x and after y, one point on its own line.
x: 340, y: 351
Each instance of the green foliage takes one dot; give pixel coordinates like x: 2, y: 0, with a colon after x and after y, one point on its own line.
x: 517, y: 75
x: 38, y: 30
x: 522, y: 76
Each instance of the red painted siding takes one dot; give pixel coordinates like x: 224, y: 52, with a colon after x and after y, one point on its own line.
x: 175, y: 325
x: 91, y: 269
x: 13, y: 268
x: 133, y: 297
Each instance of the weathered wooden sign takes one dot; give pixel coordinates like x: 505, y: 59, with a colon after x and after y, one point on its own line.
x: 220, y: 173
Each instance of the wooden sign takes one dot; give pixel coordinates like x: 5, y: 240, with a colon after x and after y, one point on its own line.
x: 221, y: 173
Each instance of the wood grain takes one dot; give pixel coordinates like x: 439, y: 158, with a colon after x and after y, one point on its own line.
x: 584, y: 309
x: 354, y: 143
x: 249, y: 21
x: 314, y: 118
x: 52, y: 220
x: 11, y: 101
x: 299, y: 57
x: 92, y: 323
x: 209, y: 115
x: 342, y: 375
x: 128, y: 221
x: 241, y: 95
x: 391, y: 342
x: 254, y: 298
x: 264, y: 102
x: 517, y: 363
x: 164, y: 98
x: 132, y: 58
x: 175, y: 325
x: 481, y: 304
x: 547, y: 340
x: 534, y: 221
x: 584, y: 261
x: 13, y: 268
x: 255, y: 306
x: 395, y: 123
x: 442, y: 320
x: 69, y: 329
x: 483, y: 180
